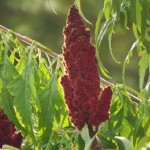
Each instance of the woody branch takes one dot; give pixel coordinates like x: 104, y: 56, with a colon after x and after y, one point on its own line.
x: 30, y: 41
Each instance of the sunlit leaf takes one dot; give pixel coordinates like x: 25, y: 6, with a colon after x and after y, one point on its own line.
x: 138, y: 14
x: 78, y: 3
x: 143, y: 64
x: 8, y: 147
x: 143, y: 20
x: 23, y: 89
x: 47, y: 99
x: 110, y: 48
x: 144, y: 143
x: 49, y: 1
x: 125, y: 142
x: 97, y: 26
x: 128, y: 57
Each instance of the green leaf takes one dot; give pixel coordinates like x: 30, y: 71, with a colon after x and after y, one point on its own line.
x: 78, y: 3
x: 107, y: 9
x: 128, y: 57
x: 125, y: 142
x: 132, y: 10
x: 104, y: 29
x: 103, y: 69
x: 144, y: 143
x: 7, y: 103
x: 7, y: 74
x: 81, y: 142
x: 47, y: 112
x: 110, y: 48
x: 135, y: 32
x: 147, y: 91
x: 123, y: 20
x: 138, y: 14
x: 86, y: 137
x: 8, y: 147
x: 97, y: 26
x: 143, y: 20
x: 24, y: 92
x: 49, y: 1
x: 143, y: 64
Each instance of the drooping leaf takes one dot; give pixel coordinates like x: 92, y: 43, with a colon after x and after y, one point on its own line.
x: 97, y: 26
x: 23, y: 90
x: 132, y: 10
x: 138, y: 14
x: 47, y: 100
x: 143, y: 64
x: 125, y: 142
x: 78, y: 3
x: 128, y: 57
x: 104, y: 29
x: 144, y: 143
x: 110, y: 48
x: 143, y: 20
x: 85, y: 135
x: 7, y: 74
x: 49, y: 1
x: 8, y: 147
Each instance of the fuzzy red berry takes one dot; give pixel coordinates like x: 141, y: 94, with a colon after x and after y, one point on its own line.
x: 86, y: 101
x: 8, y: 133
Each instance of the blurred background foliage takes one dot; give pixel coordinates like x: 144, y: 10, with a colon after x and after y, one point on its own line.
x: 37, y: 20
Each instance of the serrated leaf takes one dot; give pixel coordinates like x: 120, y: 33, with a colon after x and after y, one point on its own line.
x: 143, y: 64
x: 23, y: 90
x: 126, y: 143
x: 47, y: 113
x: 7, y: 103
x: 7, y: 74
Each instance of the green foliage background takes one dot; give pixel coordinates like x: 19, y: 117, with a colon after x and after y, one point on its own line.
x: 30, y: 91
x: 37, y: 20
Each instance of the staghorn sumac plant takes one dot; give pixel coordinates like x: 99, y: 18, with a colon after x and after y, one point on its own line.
x: 36, y: 84
x: 87, y: 103
x: 8, y: 133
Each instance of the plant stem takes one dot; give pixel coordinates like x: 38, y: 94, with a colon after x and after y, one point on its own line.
x: 96, y: 144
x: 29, y: 41
x: 134, y: 98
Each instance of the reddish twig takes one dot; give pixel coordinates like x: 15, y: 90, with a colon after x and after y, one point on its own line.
x: 29, y: 41
x: 134, y: 98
